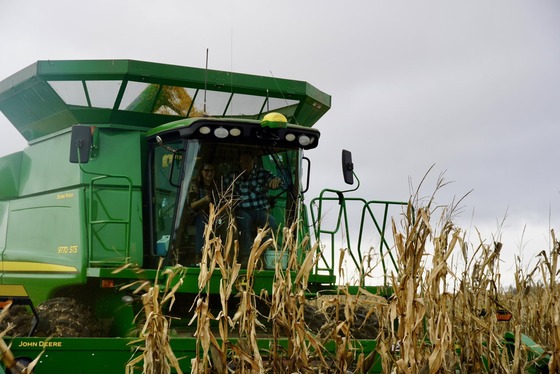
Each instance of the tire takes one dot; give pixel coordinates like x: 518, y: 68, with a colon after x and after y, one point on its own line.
x: 65, y: 317
x: 363, y: 326
x: 20, y: 318
x: 314, y: 318
x: 21, y: 364
x: 322, y: 323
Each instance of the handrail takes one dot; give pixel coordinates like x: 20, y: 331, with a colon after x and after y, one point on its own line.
x: 343, y: 223
x: 126, y: 221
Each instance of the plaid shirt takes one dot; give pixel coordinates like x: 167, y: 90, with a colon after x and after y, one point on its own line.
x: 252, y: 189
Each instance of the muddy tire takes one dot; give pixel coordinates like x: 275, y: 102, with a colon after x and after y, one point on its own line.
x: 314, y: 318
x: 21, y: 318
x: 65, y: 317
x: 22, y: 363
x: 322, y: 323
x: 364, y: 326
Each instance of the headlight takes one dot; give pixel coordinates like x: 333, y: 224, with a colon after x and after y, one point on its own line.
x: 221, y: 133
x: 304, y: 140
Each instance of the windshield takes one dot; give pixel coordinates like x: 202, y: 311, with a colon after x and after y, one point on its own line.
x: 258, y: 186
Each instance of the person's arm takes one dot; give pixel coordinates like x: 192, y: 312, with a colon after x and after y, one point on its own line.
x: 196, y: 202
x: 274, y: 182
x: 200, y: 203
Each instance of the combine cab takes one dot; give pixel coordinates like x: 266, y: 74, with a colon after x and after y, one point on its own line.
x: 100, y: 199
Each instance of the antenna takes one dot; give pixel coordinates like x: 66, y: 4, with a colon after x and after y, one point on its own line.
x: 205, y: 81
x: 231, y: 69
x: 282, y: 93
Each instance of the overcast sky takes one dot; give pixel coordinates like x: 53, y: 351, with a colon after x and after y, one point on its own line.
x: 471, y: 87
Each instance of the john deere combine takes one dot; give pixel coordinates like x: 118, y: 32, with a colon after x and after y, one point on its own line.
x: 100, y: 197
x: 102, y: 205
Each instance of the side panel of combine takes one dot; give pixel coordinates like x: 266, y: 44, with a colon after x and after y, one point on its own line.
x: 58, y: 219
x: 42, y: 223
x: 10, y: 166
x: 45, y: 242
x: 4, y: 208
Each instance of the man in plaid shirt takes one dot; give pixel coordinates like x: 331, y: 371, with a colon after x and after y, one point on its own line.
x: 252, y: 210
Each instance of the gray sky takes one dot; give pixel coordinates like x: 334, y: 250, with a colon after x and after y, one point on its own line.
x: 470, y: 87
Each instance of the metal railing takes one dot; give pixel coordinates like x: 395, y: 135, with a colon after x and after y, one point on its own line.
x: 344, y: 226
x: 109, y: 220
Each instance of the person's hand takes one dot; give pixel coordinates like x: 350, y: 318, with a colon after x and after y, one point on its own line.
x: 274, y: 183
x: 203, y: 201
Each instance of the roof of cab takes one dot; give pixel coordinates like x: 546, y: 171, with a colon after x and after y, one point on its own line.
x: 49, y: 96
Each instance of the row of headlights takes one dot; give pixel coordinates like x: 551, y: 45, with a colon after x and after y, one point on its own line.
x: 222, y: 133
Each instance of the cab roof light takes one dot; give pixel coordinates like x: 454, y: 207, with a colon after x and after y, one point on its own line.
x: 304, y: 140
x: 290, y: 137
x: 235, y: 131
x: 204, y: 130
x: 221, y: 133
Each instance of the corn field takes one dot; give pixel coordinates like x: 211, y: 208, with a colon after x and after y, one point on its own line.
x: 441, y: 317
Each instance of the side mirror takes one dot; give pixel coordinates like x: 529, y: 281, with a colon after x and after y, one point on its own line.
x: 80, y: 144
x: 347, y: 167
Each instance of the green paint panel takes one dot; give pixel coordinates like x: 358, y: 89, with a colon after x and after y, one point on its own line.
x: 45, y: 167
x: 4, y: 210
x: 9, y: 175
x: 110, y: 355
x: 45, y: 242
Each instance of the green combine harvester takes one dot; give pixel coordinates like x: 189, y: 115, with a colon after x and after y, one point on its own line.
x: 114, y: 147
x: 101, y: 200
